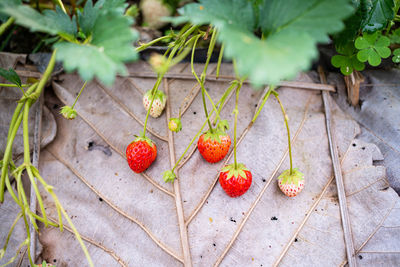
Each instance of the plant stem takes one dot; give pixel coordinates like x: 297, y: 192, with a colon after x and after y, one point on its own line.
x: 263, y: 103
x: 11, y: 230
x: 60, y: 3
x: 155, y: 87
x: 287, y: 128
x: 236, y: 112
x: 221, y: 53
x: 13, y: 85
x: 221, y: 103
x: 146, y: 45
x: 6, y: 25
x: 79, y: 94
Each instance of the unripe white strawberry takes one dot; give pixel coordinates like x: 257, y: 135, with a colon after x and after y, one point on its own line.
x: 291, y: 184
x: 158, y: 103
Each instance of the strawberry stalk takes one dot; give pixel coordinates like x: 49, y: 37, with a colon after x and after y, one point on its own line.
x: 285, y: 117
x: 236, y: 112
x: 265, y: 98
x: 169, y: 175
x: 201, y: 80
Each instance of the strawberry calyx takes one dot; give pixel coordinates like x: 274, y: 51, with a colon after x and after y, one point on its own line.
x: 145, y: 139
x: 235, y: 172
x: 169, y: 176
x: 295, y: 178
x: 216, y: 134
x: 159, y: 95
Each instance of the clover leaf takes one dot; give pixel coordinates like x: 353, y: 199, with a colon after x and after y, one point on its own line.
x: 373, y: 47
x: 347, y: 59
x: 396, y: 56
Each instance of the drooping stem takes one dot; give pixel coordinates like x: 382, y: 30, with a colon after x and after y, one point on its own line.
x: 11, y: 230
x: 221, y: 53
x: 236, y: 112
x: 146, y: 45
x: 6, y: 25
x: 285, y: 117
x: 221, y: 103
x: 263, y: 103
x: 79, y: 94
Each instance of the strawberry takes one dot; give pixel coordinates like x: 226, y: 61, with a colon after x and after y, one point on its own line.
x: 235, y: 181
x: 214, y: 145
x: 291, y: 184
x: 140, y: 154
x: 175, y: 124
x: 158, y: 103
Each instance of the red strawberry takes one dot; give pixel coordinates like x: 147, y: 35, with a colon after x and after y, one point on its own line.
x: 291, y: 184
x: 235, y: 182
x: 214, y: 146
x: 140, y: 154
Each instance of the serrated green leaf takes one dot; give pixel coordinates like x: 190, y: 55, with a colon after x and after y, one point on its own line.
x: 105, y: 55
x: 52, y: 22
x: 11, y: 76
x: 317, y: 18
x: 288, y: 26
x: 112, y: 6
x: 88, y: 17
x: 379, y: 13
x: 383, y: 52
x: 374, y: 59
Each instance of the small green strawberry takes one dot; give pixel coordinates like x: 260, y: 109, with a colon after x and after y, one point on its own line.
x: 158, y: 104
x: 169, y: 176
x: 175, y: 124
x: 291, y: 184
x: 68, y: 112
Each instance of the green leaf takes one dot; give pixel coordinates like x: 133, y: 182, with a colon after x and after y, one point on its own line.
x: 11, y: 76
x: 105, y: 55
x: 347, y: 61
x: 395, y: 36
x: 338, y: 61
x: 363, y: 55
x: 357, y: 65
x: 374, y: 59
x: 88, y: 17
x: 396, y: 55
x: 361, y: 43
x: 383, y: 52
x: 289, y: 29
x: 379, y: 13
x: 52, y: 22
x: 372, y: 47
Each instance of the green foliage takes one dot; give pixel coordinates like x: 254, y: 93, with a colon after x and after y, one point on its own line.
x: 378, y: 14
x: 396, y: 56
x: 373, y: 47
x: 98, y: 47
x: 395, y: 36
x: 11, y: 76
x: 289, y: 39
x: 347, y: 60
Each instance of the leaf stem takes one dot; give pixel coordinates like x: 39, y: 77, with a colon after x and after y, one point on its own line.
x: 60, y: 3
x: 11, y: 230
x: 79, y: 94
x: 287, y: 128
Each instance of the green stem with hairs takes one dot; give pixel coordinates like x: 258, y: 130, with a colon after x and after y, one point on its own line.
x: 221, y: 104
x: 285, y: 117
x: 236, y: 112
x: 13, y: 85
x: 79, y: 94
x: 146, y: 45
x: 266, y: 96
x: 221, y: 54
x: 6, y: 25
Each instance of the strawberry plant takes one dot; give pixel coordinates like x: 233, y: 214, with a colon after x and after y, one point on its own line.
x: 268, y: 41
